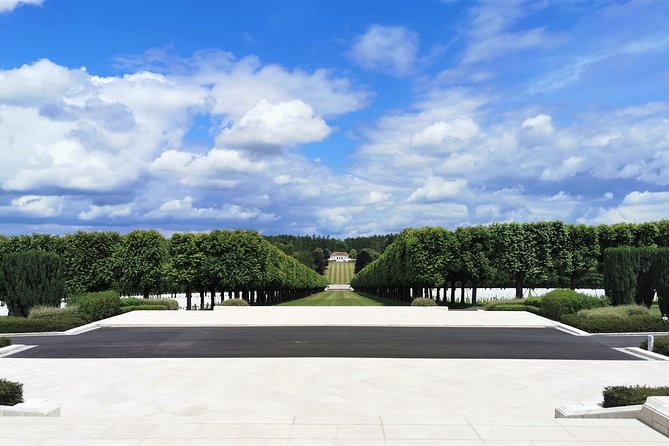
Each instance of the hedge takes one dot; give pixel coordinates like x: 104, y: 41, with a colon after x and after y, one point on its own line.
x: 423, y: 302
x: 11, y: 393
x: 5, y: 341
x: 620, y: 319
x: 127, y: 309
x: 99, y: 305
x: 491, y: 304
x: 660, y: 345
x: 631, y: 395
x: 235, y: 303
x: 560, y: 302
x: 517, y: 307
x: 169, y: 304
x: 15, y: 324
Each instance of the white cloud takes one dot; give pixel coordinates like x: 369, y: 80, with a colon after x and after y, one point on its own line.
x: 438, y: 189
x: 239, y: 87
x: 106, y: 211
x: 636, y: 207
x: 10, y: 5
x: 39, y: 206
x: 390, y: 49
x: 183, y: 209
x: 439, y: 132
x: 491, y: 35
x: 270, y: 127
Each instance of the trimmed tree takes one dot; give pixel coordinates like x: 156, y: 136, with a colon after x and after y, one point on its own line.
x: 620, y: 274
x: 31, y: 278
x: 139, y: 260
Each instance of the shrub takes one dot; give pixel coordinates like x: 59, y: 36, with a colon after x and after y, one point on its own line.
x: 561, y: 302
x: 15, y: 324
x: 534, y: 301
x: 43, y: 311
x: 5, y: 341
x: 75, y: 298
x: 660, y: 345
x: 99, y: 305
x: 423, y: 302
x: 31, y: 278
x: 624, y: 318
x: 517, y: 307
x: 127, y: 309
x: 171, y: 304
x: 491, y: 304
x: 11, y: 393
x: 631, y: 395
x: 235, y: 303
x: 132, y: 302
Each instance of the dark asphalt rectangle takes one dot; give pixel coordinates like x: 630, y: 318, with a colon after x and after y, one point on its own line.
x: 357, y: 342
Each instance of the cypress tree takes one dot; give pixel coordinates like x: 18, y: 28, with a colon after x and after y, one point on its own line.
x: 31, y: 278
x: 621, y: 274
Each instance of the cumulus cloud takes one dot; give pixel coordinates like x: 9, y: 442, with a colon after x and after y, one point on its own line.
x: 439, y: 132
x: 183, y: 209
x: 39, y: 206
x: 95, y: 212
x: 636, y: 207
x: 390, y: 49
x: 270, y: 127
x: 437, y: 189
x: 10, y: 5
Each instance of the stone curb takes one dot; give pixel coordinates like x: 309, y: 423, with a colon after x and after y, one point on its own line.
x: 654, y: 412
x: 11, y: 349
x: 31, y: 408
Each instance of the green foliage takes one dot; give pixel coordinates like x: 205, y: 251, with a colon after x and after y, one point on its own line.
x: 615, y: 396
x: 620, y: 274
x: 235, y: 303
x: 423, y: 302
x: 5, y: 341
x: 364, y: 258
x: 559, y: 302
x: 169, y: 304
x: 89, y: 264
x: 11, y: 393
x: 29, y: 278
x: 44, y: 311
x: 517, y: 307
x: 620, y: 319
x: 660, y: 345
x: 14, y: 324
x: 319, y: 260
x: 491, y: 304
x: 662, y: 279
x: 139, y: 260
x: 129, y: 308
x: 99, y: 305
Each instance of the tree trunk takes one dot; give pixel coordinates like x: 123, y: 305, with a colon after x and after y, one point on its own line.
x: 189, y: 296
x: 146, y: 293
x: 474, y: 285
x: 201, y: 300
x: 462, y: 293
x: 453, y: 292
x: 519, y: 288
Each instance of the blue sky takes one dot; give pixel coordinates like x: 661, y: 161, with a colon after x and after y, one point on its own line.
x: 341, y: 118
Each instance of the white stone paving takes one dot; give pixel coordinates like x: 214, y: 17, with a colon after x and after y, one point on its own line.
x: 330, y: 316
x: 323, y: 401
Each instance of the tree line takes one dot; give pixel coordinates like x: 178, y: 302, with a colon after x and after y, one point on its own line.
x: 241, y: 263
x: 547, y: 254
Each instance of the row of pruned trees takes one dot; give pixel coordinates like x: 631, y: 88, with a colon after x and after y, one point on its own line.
x: 242, y: 263
x: 550, y: 253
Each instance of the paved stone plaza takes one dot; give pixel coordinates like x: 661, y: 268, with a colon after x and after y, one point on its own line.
x: 323, y: 401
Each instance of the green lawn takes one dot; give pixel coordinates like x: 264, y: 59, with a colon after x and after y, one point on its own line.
x: 340, y: 299
x: 340, y: 272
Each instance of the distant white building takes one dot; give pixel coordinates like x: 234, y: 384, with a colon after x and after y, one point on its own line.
x: 340, y: 257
